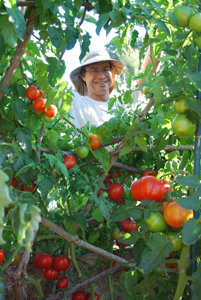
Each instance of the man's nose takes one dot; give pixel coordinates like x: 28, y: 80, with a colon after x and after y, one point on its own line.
x: 100, y: 73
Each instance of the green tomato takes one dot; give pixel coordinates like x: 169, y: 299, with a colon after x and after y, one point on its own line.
x: 39, y: 113
x: 156, y: 222
x: 182, y: 127
x: 47, y: 119
x: 176, y: 240
x: 180, y: 105
x: 82, y: 152
x: 146, y: 90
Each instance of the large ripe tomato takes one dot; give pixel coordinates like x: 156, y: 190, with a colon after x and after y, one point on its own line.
x: 43, y: 260
x: 61, y: 263
x: 39, y: 104
x: 32, y: 92
x: 95, y: 141
x: 69, y: 161
x: 2, y: 255
x: 51, y: 111
x: 16, y: 259
x: 13, y: 182
x: 63, y: 283
x: 79, y: 296
x: 128, y: 226
x: 51, y: 273
x: 174, y: 214
x: 115, y: 190
x: 182, y: 127
x: 95, y: 295
x: 149, y: 188
x: 176, y: 240
x: 82, y: 152
x: 156, y: 222
x: 149, y: 172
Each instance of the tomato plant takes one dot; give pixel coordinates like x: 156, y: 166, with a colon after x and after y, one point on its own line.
x: 120, y: 200
x: 13, y: 182
x: 61, y: 263
x: 116, y: 174
x: 63, y: 283
x: 128, y: 226
x: 79, y: 296
x: 95, y: 141
x: 51, y: 273
x: 82, y: 152
x: 51, y: 111
x: 149, y: 188
x: 149, y: 172
x: 171, y: 266
x: 115, y: 190
x: 2, y: 255
x: 32, y: 92
x: 156, y: 222
x: 69, y: 161
x: 95, y: 295
x: 43, y: 260
x: 39, y: 104
x: 174, y: 214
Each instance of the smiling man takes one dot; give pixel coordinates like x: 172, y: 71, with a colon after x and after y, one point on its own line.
x: 94, y: 81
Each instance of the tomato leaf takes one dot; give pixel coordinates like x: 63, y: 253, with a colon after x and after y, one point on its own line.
x: 121, y: 214
x: 128, y: 281
x: 97, y: 215
x: 103, y: 157
x: 190, y: 181
x: 81, y: 219
x: 191, y: 231
x: 93, y: 236
x: 5, y: 149
x: 189, y: 203
x: 130, y: 238
x: 160, y: 248
x: 195, y: 285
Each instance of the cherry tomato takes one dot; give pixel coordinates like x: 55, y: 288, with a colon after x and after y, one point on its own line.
x: 16, y: 259
x: 2, y: 255
x: 30, y: 189
x: 116, y: 264
x: 47, y: 119
x: 107, y: 182
x: 32, y: 92
x: 95, y: 141
x: 22, y: 187
x: 13, y: 182
x: 120, y: 200
x: 39, y: 104
x: 149, y: 172
x: 41, y: 94
x: 128, y: 226
x: 117, y: 233
x: 79, y: 296
x: 115, y: 190
x: 174, y: 214
x: 51, y: 111
x: 43, y: 260
x: 82, y: 152
x: 116, y: 174
x: 120, y: 244
x: 39, y: 113
x: 95, y: 295
x: 149, y: 188
x: 156, y: 222
x: 176, y: 240
x: 171, y: 266
x: 69, y: 161
x: 63, y: 283
x: 51, y: 273
x: 61, y: 263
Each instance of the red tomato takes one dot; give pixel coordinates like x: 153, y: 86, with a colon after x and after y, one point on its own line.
x: 116, y: 264
x: 149, y: 188
x: 115, y: 190
x: 95, y: 295
x: 2, y: 255
x: 107, y: 182
x: 69, y: 161
x: 149, y: 172
x: 95, y: 141
x: 13, y: 182
x: 51, y: 273
x: 39, y: 104
x: 41, y: 94
x: 174, y: 214
x: 32, y: 92
x: 120, y: 200
x: 30, y: 189
x: 51, y: 111
x: 22, y: 187
x: 173, y: 266
x: 49, y: 294
x: 61, y: 263
x: 128, y: 226
x: 63, y: 283
x: 116, y: 174
x: 79, y: 296
x: 120, y: 244
x: 43, y: 260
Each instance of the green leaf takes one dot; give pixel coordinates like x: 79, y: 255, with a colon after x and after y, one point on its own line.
x: 128, y: 281
x: 185, y: 160
x: 189, y: 203
x: 55, y: 34
x: 52, y: 137
x: 161, y: 142
x: 93, y: 236
x: 126, y: 149
x: 141, y: 142
x: 71, y: 37
x: 45, y: 187
x: 8, y: 31
x: 33, y: 47
x: 194, y: 105
x: 19, y: 108
x: 191, y: 231
x: 84, y: 45
x: 156, y: 6
x: 24, y: 137
x: 97, y: 215
x: 195, y: 285
x: 135, y: 213
x: 81, y: 219
x: 104, y: 17
x: 195, y: 77
x: 18, y: 20
x: 175, y: 88
x: 158, y: 88
x: 56, y: 70
x: 163, y: 26
x: 121, y: 214
x: 5, y: 89
x: 189, y: 181
x: 5, y: 149
x: 130, y: 238
x: 25, y: 168
x: 160, y: 248
x: 103, y: 157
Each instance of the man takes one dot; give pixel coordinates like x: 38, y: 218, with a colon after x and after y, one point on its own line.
x: 94, y: 80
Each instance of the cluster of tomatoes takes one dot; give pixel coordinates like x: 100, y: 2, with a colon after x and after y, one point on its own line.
x: 51, y: 267
x: 37, y: 96
x: 14, y: 183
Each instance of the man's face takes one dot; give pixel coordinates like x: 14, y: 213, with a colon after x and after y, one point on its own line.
x: 98, y: 78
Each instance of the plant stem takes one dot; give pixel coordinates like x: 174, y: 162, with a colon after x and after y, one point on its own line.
x: 110, y: 276
x: 37, y: 284
x: 9, y: 261
x: 92, y: 297
x: 73, y: 257
x: 79, y: 130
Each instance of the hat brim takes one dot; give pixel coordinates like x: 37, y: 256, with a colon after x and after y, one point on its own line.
x: 76, y: 78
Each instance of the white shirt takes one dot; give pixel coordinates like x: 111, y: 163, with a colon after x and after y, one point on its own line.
x: 87, y: 109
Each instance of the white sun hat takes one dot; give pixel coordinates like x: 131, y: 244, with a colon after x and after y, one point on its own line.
x: 91, y: 58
